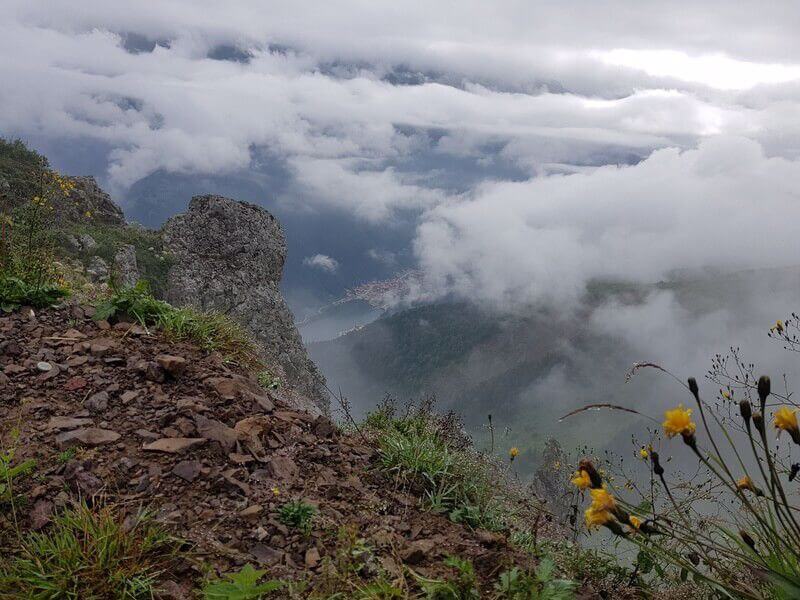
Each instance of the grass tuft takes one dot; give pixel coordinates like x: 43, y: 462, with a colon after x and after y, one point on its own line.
x: 212, y: 332
x: 89, y: 554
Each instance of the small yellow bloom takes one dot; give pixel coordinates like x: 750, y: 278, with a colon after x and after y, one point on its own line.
x: 581, y: 480
x: 644, y: 454
x: 779, y: 326
x: 726, y: 395
x: 276, y: 491
x: 596, y: 518
x: 745, y: 483
x: 635, y: 522
x: 786, y: 418
x: 678, y: 421
x: 602, y: 500
x: 513, y: 453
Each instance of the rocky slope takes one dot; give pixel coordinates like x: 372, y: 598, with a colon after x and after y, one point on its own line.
x: 117, y: 412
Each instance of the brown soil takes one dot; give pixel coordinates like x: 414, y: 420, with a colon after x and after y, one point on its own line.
x: 166, y: 426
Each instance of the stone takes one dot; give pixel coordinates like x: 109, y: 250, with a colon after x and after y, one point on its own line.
x: 174, y: 445
x: 323, y: 427
x: 67, y: 423
x: 89, y: 436
x: 129, y: 396
x: 40, y: 514
x: 75, y: 383
x: 101, y: 347
x: 188, y: 470
x: 97, y: 402
x: 252, y: 512
x: 126, y: 269
x: 97, y: 269
x: 77, y: 361
x: 14, y: 369
x: 266, y: 555
x: 44, y: 367
x: 174, y: 365
x: 87, y: 243
x: 216, y: 431
x: 228, y: 256
x: 283, y: 467
x: 312, y: 557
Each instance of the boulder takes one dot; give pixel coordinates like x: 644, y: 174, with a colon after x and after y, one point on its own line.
x: 228, y: 256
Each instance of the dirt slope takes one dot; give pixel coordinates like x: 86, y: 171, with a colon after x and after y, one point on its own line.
x: 164, y: 425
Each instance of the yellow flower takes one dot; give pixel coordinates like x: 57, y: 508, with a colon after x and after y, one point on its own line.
x: 679, y: 421
x: 513, y: 453
x: 635, y: 522
x: 786, y: 419
x: 276, y: 491
x: 745, y: 483
x: 596, y: 518
x: 779, y: 326
x: 581, y: 480
x: 643, y: 453
x: 726, y: 395
x: 602, y: 500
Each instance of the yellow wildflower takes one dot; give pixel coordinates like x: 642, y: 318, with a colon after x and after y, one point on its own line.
x: 635, y: 522
x: 786, y: 419
x: 745, y: 483
x: 276, y: 491
x: 513, y: 453
x: 602, y: 500
x: 726, y: 395
x: 581, y: 480
x: 779, y: 326
x: 644, y: 454
x: 596, y: 518
x: 679, y: 421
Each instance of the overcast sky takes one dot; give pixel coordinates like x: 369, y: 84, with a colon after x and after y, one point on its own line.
x: 536, y: 144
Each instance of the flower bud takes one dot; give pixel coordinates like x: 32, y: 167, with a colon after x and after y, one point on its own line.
x: 763, y: 389
x: 657, y: 468
x: 747, y: 539
x: 693, y: 387
x: 746, y: 410
x: 758, y: 421
x: 594, y: 476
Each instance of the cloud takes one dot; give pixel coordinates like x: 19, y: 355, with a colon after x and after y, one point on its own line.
x: 724, y: 204
x: 152, y: 84
x: 322, y: 262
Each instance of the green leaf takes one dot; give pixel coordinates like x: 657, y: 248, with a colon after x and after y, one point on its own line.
x: 241, y: 586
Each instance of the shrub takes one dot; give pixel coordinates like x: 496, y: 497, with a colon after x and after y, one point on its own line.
x: 462, y: 586
x: 211, y: 332
x: 89, y: 554
x: 297, y: 514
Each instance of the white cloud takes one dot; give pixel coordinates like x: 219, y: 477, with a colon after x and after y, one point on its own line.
x: 724, y: 204
x: 322, y: 262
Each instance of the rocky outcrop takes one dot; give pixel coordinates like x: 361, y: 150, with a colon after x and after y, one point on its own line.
x: 228, y: 257
x: 88, y: 198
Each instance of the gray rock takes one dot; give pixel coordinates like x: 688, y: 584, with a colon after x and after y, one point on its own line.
x: 88, y: 197
x: 97, y: 269
x: 126, y: 269
x: 228, y: 257
x: 87, y: 243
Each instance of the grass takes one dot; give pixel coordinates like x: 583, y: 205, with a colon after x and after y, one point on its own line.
x: 89, y: 554
x: 429, y: 454
x: 297, y: 514
x: 15, y: 292
x: 212, y: 332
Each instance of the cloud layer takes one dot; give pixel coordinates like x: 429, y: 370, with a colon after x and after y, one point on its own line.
x: 512, y: 132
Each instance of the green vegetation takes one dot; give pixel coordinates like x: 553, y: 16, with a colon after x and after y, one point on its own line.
x: 22, y: 170
x: 212, y: 332
x: 152, y: 260
x: 540, y: 585
x: 27, y: 242
x: 244, y: 585
x: 462, y: 586
x: 268, y: 381
x: 429, y: 454
x: 10, y: 473
x: 297, y: 514
x: 89, y: 554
